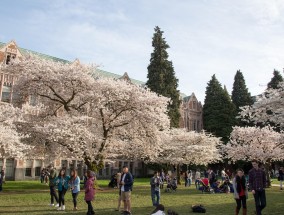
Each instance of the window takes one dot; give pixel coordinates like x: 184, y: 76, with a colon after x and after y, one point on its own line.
x: 37, y: 171
x: 33, y: 100
x: 194, y: 105
x: 64, y: 164
x: 9, y: 168
x: 125, y: 164
x: 120, y: 165
x: 100, y: 172
x: 131, y: 167
x: 6, y: 93
x: 28, y: 172
x: 194, y: 125
x: 8, y: 59
x: 107, y: 169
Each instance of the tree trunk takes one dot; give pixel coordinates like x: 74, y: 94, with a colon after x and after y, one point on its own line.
x: 95, y: 165
x: 178, y: 174
x: 268, y: 179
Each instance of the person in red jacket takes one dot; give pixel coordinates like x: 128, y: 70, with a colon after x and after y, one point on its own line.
x: 90, y: 192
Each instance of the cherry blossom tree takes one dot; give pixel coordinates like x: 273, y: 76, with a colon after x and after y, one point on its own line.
x: 181, y: 147
x: 177, y: 147
x: 10, y: 140
x: 268, y: 108
x: 71, y: 111
x: 248, y: 143
x: 59, y: 86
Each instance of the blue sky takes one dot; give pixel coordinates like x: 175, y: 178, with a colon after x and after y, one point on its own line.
x: 206, y: 36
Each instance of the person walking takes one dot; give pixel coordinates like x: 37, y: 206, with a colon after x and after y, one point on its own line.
x: 52, y: 184
x: 155, y: 189
x: 281, y: 177
x: 257, y: 183
x: 62, y: 185
x: 126, y: 184
x: 90, y: 192
x: 75, y: 187
x: 240, y: 192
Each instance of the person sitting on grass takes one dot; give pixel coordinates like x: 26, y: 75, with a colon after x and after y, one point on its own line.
x: 159, y: 210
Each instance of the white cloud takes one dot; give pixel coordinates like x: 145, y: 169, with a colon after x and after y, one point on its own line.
x: 206, y: 37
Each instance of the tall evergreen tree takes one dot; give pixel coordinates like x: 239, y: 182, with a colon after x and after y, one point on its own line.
x: 218, y: 110
x: 161, y: 76
x: 277, y: 77
x: 240, y: 94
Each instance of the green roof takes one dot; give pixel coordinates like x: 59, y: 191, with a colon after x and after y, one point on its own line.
x: 186, y: 98
x: 48, y: 57
x: 44, y: 56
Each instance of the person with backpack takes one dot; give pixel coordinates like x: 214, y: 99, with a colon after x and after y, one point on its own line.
x: 52, y: 184
x: 75, y: 187
x: 155, y: 189
x: 126, y: 184
x: 62, y: 182
x: 90, y: 192
x: 240, y: 191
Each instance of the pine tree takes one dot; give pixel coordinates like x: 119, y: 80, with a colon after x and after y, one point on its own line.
x: 218, y: 110
x: 161, y: 76
x: 277, y: 77
x: 240, y: 94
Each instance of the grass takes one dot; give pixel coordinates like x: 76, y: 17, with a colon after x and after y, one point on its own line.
x: 32, y: 198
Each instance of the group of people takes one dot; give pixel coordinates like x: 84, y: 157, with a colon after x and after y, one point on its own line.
x: 64, y: 182
x: 256, y: 183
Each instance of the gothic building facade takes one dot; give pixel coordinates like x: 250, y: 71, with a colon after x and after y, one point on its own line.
x: 191, y: 114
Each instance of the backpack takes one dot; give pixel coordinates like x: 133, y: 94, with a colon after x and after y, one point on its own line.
x: 198, y: 209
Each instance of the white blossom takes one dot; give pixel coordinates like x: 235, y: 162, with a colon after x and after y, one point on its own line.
x: 269, y: 107
x: 248, y: 143
x: 181, y: 147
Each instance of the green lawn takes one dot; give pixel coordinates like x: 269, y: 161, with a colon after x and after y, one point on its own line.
x: 32, y: 198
